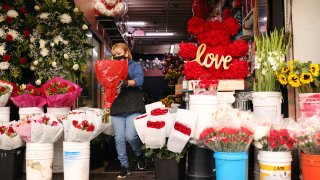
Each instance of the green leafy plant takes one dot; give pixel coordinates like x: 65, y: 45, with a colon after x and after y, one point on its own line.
x: 164, y: 153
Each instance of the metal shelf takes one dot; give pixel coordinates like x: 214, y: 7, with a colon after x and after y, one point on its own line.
x: 110, y: 26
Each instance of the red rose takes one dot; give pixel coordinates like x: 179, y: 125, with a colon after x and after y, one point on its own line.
x: 22, y: 10
x: 54, y: 123
x: 85, y: 123
x: 6, y: 7
x: 214, y: 38
x: 23, y: 60
x: 187, y: 51
x: 238, y: 48
x: 26, y: 33
x: 10, y: 130
x: 231, y: 25
x: 6, y: 57
x: 195, y: 25
x: 2, y: 129
x: 71, y: 89
x: 74, y: 123
x: 9, y: 19
x: 9, y: 38
x: 90, y: 128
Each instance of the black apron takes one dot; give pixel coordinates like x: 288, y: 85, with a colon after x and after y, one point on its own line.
x: 130, y: 100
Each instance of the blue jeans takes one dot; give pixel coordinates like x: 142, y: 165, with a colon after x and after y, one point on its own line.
x: 125, y: 131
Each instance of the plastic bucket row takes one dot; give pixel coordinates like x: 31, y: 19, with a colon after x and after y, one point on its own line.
x: 76, y: 159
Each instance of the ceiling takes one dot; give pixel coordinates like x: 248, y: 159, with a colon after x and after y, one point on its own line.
x: 160, y: 16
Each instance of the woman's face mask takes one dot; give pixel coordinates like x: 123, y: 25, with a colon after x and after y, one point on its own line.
x: 119, y: 57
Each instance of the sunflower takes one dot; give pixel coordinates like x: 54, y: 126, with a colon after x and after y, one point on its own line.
x: 293, y: 80
x: 291, y: 62
x: 282, y: 79
x: 284, y: 70
x: 314, y: 69
x: 291, y: 68
x: 306, y: 78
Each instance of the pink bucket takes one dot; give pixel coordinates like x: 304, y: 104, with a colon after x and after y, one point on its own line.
x: 309, y: 105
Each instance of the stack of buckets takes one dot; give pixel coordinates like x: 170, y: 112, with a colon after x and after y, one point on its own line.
x: 39, y: 157
x: 29, y: 111
x: 76, y: 160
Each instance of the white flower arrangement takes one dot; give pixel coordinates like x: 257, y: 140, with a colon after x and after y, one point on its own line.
x: 4, y: 65
x: 12, y: 14
x: 59, y: 42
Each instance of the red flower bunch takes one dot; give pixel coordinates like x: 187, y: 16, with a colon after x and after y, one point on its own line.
x: 227, y: 139
x: 156, y: 124
x: 238, y: 48
x: 195, y: 25
x: 214, y: 38
x: 193, y: 70
x: 238, y: 69
x: 213, y: 26
x: 187, y: 51
x: 159, y: 111
x: 27, y: 89
x: 182, y: 128
x: 232, y: 26
x: 280, y: 140
x: 46, y: 120
x: 4, y: 89
x: 7, y: 130
x: 84, y: 125
x: 57, y: 87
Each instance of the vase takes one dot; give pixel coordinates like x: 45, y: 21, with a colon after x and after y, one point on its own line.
x: 310, y: 165
x: 231, y: 165
x: 267, y: 106
x: 309, y: 105
x: 275, y: 165
x: 170, y: 169
x: 200, y: 164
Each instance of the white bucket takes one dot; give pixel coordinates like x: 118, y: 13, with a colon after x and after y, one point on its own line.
x: 309, y: 105
x: 275, y: 165
x: 225, y: 99
x: 39, y: 158
x: 76, y: 160
x: 267, y: 106
x: 203, y: 103
x: 4, y: 114
x: 29, y: 111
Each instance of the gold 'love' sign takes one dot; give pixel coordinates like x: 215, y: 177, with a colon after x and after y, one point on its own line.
x: 212, y: 57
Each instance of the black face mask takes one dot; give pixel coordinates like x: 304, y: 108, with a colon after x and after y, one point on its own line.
x: 119, y: 57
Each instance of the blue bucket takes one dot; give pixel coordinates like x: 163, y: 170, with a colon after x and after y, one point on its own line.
x: 231, y: 165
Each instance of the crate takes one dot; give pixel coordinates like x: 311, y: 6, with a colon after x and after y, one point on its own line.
x: 11, y: 163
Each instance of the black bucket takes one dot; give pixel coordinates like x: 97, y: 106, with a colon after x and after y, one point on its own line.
x: 200, y: 164
x: 169, y: 169
x: 11, y: 163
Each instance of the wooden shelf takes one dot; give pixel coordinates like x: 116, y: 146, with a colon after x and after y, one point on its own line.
x: 110, y: 26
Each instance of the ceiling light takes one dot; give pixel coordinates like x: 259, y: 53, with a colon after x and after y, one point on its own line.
x: 159, y: 34
x: 136, y: 23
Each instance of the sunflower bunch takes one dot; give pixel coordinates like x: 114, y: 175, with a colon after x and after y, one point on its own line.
x: 301, y: 75
x: 167, y: 101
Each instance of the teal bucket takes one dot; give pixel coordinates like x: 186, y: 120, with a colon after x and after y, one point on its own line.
x: 231, y: 165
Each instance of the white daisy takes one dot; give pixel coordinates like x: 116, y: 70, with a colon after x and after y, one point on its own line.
x: 37, y: 8
x: 66, y: 56
x: 75, y: 10
x: 44, y: 15
x: 84, y: 27
x: 35, y: 62
x: 75, y: 67
x: 57, y: 39
x: 14, y: 34
x: 2, y: 49
x: 54, y: 64
x: 44, y: 52
x: 32, y: 68
x: 12, y: 13
x: 65, y: 42
x: 4, y: 65
x: 52, y: 44
x: 65, y: 18
x: 38, y: 82
x: 42, y: 43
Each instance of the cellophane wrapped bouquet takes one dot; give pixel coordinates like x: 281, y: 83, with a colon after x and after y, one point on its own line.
x: 9, y: 139
x: 231, y: 131
x: 28, y: 96
x: 5, y: 93
x: 39, y: 129
x: 60, y: 92
x: 308, y: 135
x: 83, y: 125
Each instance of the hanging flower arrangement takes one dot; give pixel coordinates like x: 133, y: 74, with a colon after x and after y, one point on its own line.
x: 14, y: 35
x: 218, y: 54
x: 59, y: 44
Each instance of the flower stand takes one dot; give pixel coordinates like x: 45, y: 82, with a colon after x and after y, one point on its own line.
x: 310, y: 165
x: 275, y: 164
x: 200, y: 163
x: 267, y: 105
x: 231, y: 165
x: 11, y: 163
x: 170, y: 169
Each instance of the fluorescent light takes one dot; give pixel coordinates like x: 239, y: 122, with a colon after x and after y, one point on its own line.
x: 136, y: 23
x: 159, y: 34
x: 171, y: 49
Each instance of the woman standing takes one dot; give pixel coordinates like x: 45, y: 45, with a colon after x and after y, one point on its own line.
x: 128, y: 105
